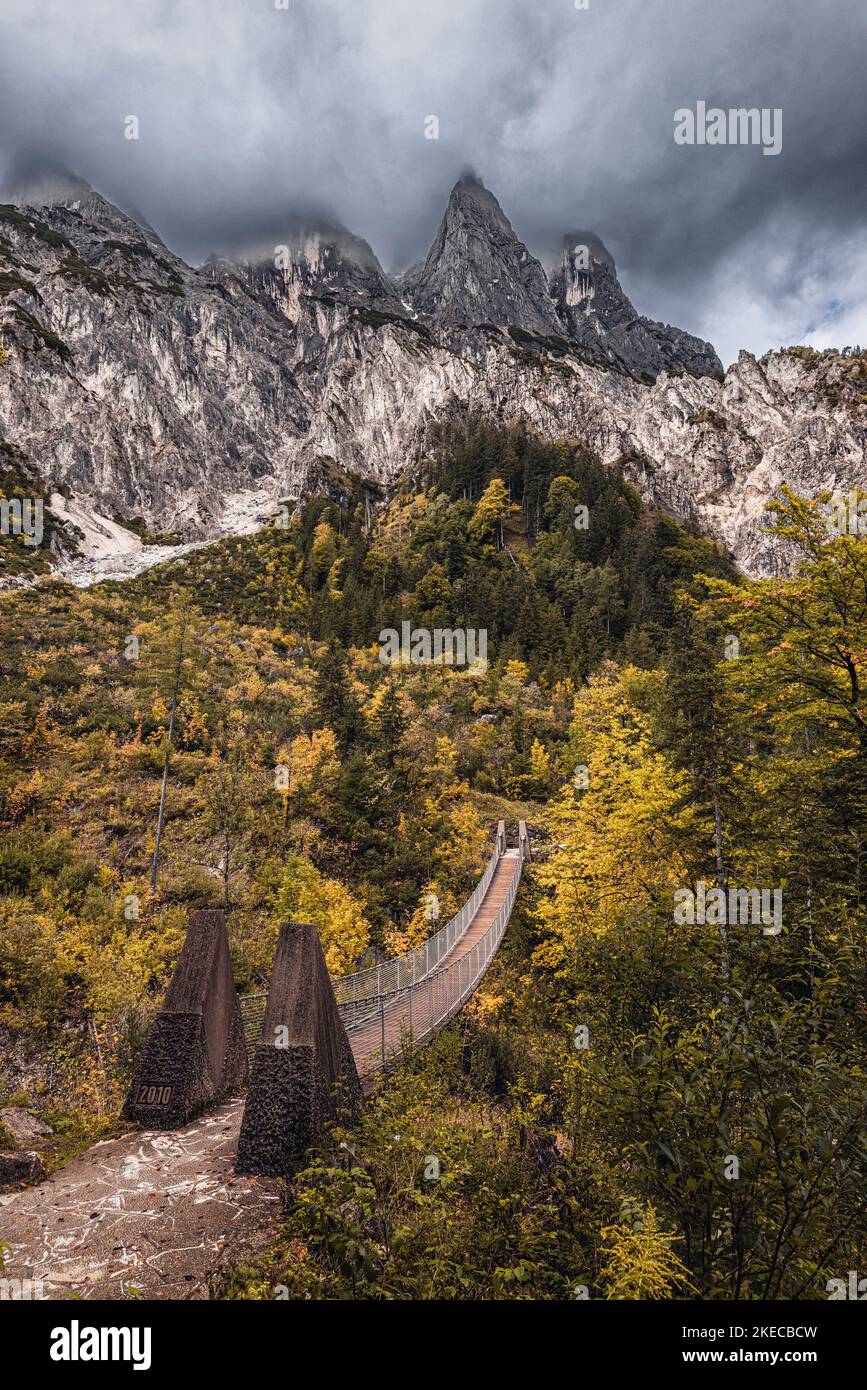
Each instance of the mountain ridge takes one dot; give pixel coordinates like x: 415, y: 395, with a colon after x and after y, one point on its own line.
x: 192, y: 398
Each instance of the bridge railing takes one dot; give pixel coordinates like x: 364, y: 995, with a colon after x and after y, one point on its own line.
x: 420, y: 1011
x: 358, y: 994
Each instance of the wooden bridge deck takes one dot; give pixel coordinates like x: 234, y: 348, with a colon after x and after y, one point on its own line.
x: 419, y: 1011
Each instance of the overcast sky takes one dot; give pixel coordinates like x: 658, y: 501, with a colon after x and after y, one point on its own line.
x: 248, y: 113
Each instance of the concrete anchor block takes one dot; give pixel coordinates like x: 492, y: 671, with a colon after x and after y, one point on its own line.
x: 303, y: 1074
x: 195, y: 1052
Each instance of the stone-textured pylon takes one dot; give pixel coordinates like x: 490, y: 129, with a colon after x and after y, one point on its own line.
x: 303, y: 1072
x: 195, y: 1051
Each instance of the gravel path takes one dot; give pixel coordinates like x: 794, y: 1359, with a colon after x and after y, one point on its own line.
x: 150, y: 1212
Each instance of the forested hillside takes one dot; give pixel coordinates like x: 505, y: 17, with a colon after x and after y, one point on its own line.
x: 634, y: 1104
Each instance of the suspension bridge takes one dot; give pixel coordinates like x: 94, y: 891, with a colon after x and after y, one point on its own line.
x: 411, y: 997
x: 156, y: 1212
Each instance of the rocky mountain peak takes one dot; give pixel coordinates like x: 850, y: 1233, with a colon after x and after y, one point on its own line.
x: 71, y: 199
x: 478, y: 271
x: 598, y: 315
x: 584, y: 285
x: 470, y: 193
x: 46, y: 188
x: 327, y: 258
x: 314, y: 262
x: 188, y: 399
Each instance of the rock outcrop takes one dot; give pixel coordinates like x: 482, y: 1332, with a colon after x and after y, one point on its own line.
x: 20, y: 1167
x: 24, y: 1127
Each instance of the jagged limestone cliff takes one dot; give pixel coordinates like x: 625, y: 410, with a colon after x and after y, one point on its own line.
x: 193, y: 399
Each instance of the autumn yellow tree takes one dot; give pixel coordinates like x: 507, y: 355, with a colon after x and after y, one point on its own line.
x: 492, y: 509
x: 304, y: 894
x: 541, y: 770
x: 435, y: 907
x: 618, y: 827
x: 804, y: 639
x: 313, y: 771
x: 324, y: 550
x: 229, y: 788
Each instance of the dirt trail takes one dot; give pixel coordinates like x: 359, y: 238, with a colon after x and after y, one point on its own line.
x: 150, y: 1212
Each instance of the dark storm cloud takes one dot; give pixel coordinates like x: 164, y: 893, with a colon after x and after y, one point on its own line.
x: 250, y: 115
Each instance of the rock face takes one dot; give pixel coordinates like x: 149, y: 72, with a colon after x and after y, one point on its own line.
x: 195, y: 1052
x: 20, y: 1168
x: 598, y: 316
x: 193, y: 400
x: 303, y: 1071
x: 23, y: 1126
x: 477, y: 271
x: 133, y: 382
x: 303, y: 278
